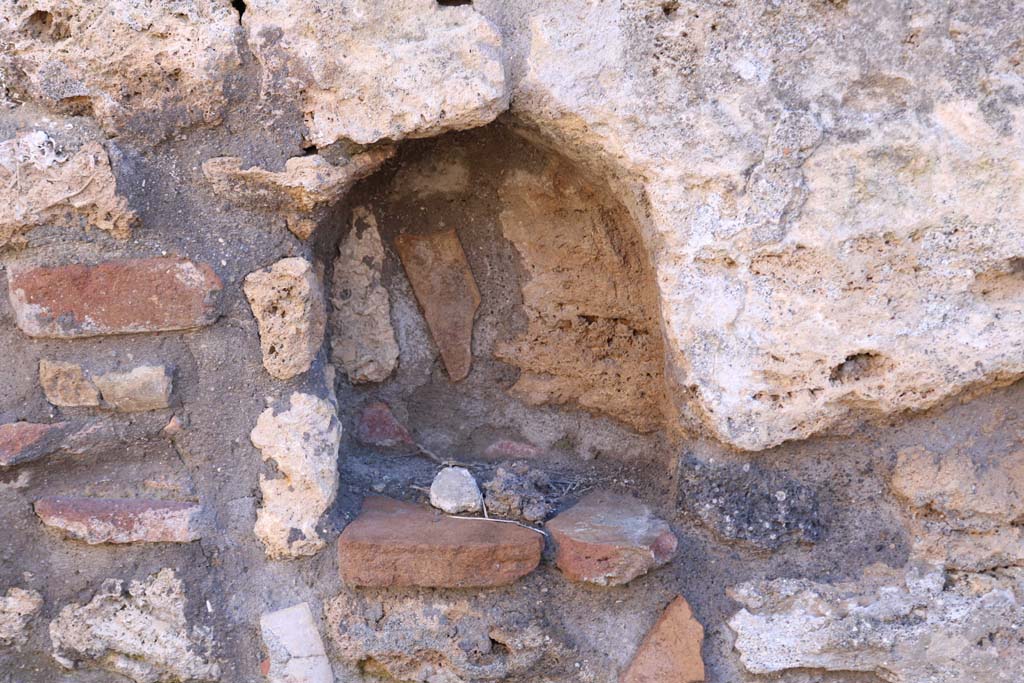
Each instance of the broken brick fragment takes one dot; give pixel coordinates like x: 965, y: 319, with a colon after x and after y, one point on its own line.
x: 610, y: 539
x: 22, y: 442
x: 395, y: 544
x: 378, y: 426
x: 670, y: 652
x: 115, y: 297
x: 121, y: 520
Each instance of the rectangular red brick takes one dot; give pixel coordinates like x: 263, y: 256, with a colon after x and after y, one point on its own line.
x: 121, y: 520
x: 115, y: 297
x: 22, y: 442
x: 393, y: 543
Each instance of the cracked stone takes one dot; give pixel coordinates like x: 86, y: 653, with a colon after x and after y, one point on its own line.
x: 296, y: 651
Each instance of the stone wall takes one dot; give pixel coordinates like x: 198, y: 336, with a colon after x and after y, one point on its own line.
x: 511, y: 341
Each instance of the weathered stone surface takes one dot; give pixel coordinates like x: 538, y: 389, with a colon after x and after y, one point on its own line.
x: 454, y: 490
x: 362, y: 337
x: 592, y: 338
x: 66, y: 385
x: 296, y: 651
x: 150, y: 68
x: 115, y: 297
x: 378, y: 426
x: 41, y: 184
x: 610, y: 539
x: 303, y: 443
x: 822, y: 251
x: 393, y: 544
x: 905, y: 626
x: 121, y: 520
x: 750, y: 504
x: 967, y: 512
x: 670, y: 652
x: 362, y: 68
x: 140, y: 633
x: 306, y: 184
x: 518, y: 491
x: 440, y: 636
x: 17, y: 609
x: 147, y: 387
x: 507, y: 448
x: 447, y: 293
x: 22, y: 442
x: 288, y: 304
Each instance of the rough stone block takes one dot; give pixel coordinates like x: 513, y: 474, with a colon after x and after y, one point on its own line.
x: 118, y: 520
x: 288, y: 304
x: 447, y: 293
x: 115, y: 297
x: 66, y: 385
x: 670, y: 652
x: 610, y: 539
x: 454, y: 490
x: 394, y: 544
x: 17, y: 610
x: 363, y: 339
x: 147, y: 387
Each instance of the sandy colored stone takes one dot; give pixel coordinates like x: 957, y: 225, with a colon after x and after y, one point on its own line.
x: 454, y: 490
x: 303, y: 443
x: 592, y: 338
x: 114, y: 297
x: 149, y: 68
x: 112, y: 520
x: 17, y: 609
x: 394, y: 544
x: 41, y: 184
x: 905, y: 626
x: 141, y: 633
x: 22, y: 442
x: 306, y: 184
x: 369, y: 71
x: 966, y: 509
x: 146, y: 387
x: 670, y: 652
x: 610, y: 539
x: 297, y: 653
x: 362, y: 337
x: 65, y: 384
x: 446, y: 291
x: 288, y: 304
x: 822, y: 253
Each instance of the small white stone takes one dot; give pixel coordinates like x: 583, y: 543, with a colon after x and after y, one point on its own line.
x: 454, y: 490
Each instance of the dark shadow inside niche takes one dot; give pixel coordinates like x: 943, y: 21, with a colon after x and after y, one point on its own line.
x: 566, y: 330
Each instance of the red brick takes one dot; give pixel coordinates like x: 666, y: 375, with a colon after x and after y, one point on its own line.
x: 400, y: 544
x: 378, y: 426
x: 670, y: 653
x: 121, y: 520
x: 116, y: 297
x: 22, y: 442
x: 446, y: 291
x: 610, y: 539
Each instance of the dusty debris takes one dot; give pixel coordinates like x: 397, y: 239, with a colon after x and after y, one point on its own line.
x: 518, y: 491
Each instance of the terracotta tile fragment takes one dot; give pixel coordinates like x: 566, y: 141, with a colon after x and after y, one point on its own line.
x: 121, y: 520
x: 444, y: 286
x: 22, y: 442
x: 670, y: 652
